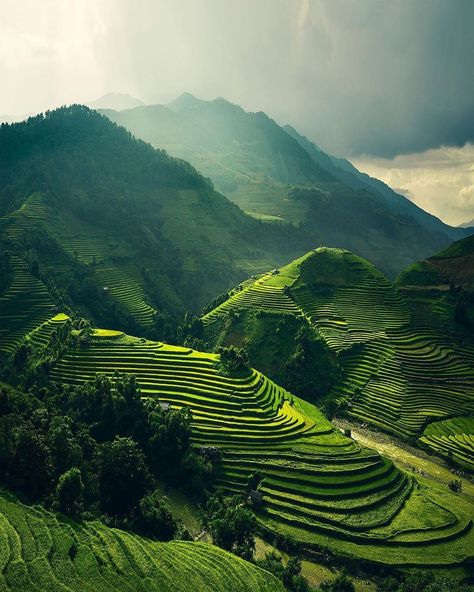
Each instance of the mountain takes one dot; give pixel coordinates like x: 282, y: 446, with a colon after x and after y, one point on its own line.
x: 121, y: 230
x: 43, y: 551
x: 347, y: 172
x: 117, y: 101
x: 469, y: 224
x: 453, y: 266
x: 277, y: 175
x: 331, y: 328
x: 444, y: 282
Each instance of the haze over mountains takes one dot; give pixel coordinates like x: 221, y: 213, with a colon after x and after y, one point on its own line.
x: 276, y: 174
x: 116, y: 101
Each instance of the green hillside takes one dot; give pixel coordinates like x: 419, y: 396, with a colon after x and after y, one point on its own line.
x: 318, y: 487
x: 387, y: 358
x: 40, y: 551
x: 278, y: 176
x: 438, y: 290
x: 122, y: 230
x: 453, y: 265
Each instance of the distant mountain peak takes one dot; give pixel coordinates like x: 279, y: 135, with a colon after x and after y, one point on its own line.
x: 469, y: 224
x: 116, y: 101
x: 185, y: 100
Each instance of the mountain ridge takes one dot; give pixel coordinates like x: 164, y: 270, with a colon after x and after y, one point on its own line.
x: 275, y: 174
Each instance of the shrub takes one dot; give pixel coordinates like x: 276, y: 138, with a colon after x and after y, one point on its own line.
x: 233, y: 359
x: 70, y: 492
x: 455, y: 485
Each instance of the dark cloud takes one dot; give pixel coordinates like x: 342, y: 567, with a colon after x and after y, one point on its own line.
x: 359, y: 77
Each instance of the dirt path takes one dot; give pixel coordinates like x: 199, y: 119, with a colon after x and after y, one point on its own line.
x: 408, y: 458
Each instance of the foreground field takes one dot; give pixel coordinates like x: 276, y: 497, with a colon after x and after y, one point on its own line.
x: 40, y: 552
x: 318, y: 487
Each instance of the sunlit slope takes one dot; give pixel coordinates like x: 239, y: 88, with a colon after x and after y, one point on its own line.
x: 400, y: 367
x: 40, y: 552
x: 318, y: 486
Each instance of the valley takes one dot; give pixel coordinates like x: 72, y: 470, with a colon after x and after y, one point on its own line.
x: 101, y: 301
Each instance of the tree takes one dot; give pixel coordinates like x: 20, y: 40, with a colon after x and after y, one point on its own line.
x: 273, y: 563
x: 233, y: 359
x: 153, y: 518
x: 232, y: 525
x: 170, y: 439
x: 123, y: 476
x: 340, y: 584
x: 32, y: 462
x: 310, y: 372
x: 70, y: 492
x: 65, y: 451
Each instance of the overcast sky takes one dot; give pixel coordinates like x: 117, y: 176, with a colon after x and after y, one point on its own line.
x: 363, y: 78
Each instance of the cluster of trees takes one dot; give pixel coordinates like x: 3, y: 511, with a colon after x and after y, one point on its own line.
x: 99, y: 450
x: 233, y: 359
x: 289, y: 574
x: 311, y: 371
x: 422, y: 581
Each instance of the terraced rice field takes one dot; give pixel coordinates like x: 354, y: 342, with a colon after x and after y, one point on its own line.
x: 260, y: 294
x: 401, y: 367
x: 452, y: 438
x: 86, y: 246
x: 25, y: 305
x: 39, y: 552
x: 318, y: 486
x: 125, y: 287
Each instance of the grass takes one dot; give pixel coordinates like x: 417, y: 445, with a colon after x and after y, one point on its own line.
x: 41, y: 551
x: 452, y: 439
x: 317, y: 484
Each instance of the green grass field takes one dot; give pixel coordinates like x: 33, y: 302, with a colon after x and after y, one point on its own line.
x: 42, y: 552
x: 452, y: 439
x: 318, y: 486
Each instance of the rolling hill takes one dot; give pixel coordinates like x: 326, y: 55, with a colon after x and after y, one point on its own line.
x: 440, y: 289
x: 121, y: 230
x: 40, y: 551
x: 318, y: 487
x: 382, y: 354
x: 277, y: 175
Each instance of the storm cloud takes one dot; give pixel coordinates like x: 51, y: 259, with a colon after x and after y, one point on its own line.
x: 358, y: 77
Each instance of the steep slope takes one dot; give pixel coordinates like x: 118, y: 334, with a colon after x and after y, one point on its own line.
x: 398, y: 365
x: 454, y: 265
x: 123, y: 228
x: 440, y: 292
x: 317, y: 486
x: 279, y: 178
x: 41, y: 551
x: 347, y: 172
